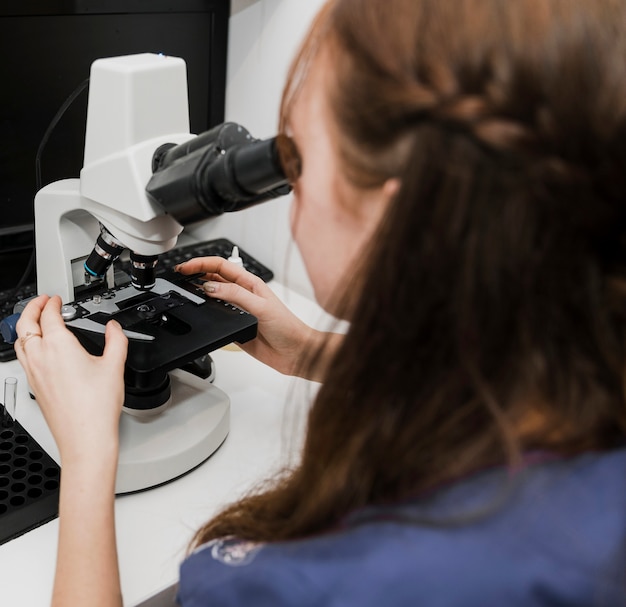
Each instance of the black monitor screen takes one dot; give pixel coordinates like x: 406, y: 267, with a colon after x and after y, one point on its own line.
x: 47, y: 48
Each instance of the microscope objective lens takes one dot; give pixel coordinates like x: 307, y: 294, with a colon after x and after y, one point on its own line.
x: 106, y: 250
x: 142, y: 270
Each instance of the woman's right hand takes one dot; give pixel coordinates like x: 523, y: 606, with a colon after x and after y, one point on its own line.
x: 81, y: 398
x: 79, y: 394
x: 282, y: 337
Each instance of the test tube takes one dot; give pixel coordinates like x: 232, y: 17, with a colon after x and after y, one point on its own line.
x: 10, y: 396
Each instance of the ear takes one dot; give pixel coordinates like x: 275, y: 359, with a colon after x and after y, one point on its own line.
x: 391, y: 187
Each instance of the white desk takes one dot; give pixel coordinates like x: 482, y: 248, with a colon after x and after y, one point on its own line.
x: 155, y: 526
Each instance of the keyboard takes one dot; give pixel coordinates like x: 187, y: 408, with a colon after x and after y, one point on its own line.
x: 221, y: 247
x: 8, y: 298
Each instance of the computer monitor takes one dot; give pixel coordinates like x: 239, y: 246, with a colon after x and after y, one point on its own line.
x: 47, y: 47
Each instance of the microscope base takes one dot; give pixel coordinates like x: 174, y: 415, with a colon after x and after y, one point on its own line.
x: 154, y: 450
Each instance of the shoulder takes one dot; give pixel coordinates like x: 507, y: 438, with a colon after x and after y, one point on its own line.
x: 558, y: 533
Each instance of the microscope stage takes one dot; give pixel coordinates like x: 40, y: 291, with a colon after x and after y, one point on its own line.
x: 168, y: 326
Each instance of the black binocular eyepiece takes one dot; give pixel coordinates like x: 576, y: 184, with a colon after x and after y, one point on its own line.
x: 222, y: 170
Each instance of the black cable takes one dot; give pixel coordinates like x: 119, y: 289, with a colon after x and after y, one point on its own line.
x: 44, y: 140
x: 38, y: 185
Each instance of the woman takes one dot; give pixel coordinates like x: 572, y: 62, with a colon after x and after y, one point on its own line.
x: 459, y: 196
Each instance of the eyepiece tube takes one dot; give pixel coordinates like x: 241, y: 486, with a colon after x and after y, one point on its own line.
x: 169, y: 153
x: 257, y: 167
x: 243, y: 176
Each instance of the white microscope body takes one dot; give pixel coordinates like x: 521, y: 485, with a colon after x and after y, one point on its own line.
x: 136, y: 103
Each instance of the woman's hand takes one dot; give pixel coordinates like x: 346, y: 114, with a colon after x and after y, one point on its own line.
x: 282, y: 337
x: 80, y: 395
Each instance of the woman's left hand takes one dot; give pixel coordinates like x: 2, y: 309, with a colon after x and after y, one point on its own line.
x: 80, y: 395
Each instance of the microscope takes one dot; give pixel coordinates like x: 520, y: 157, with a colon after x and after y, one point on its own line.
x: 144, y: 178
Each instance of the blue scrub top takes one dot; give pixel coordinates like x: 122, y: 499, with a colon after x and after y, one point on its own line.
x: 553, y: 535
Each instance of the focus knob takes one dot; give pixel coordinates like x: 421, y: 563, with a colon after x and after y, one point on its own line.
x: 7, y: 328
x: 68, y: 312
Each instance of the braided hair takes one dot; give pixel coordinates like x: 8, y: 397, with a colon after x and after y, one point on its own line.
x: 491, y: 316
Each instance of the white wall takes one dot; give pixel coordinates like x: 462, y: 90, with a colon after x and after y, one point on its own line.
x: 263, y: 37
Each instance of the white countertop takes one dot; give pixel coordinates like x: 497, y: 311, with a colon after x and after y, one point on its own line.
x: 155, y: 526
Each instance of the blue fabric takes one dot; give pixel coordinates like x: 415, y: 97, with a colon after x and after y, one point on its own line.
x: 554, y: 537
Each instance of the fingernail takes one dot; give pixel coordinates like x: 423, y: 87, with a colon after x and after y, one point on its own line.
x: 178, y: 267
x: 210, y: 287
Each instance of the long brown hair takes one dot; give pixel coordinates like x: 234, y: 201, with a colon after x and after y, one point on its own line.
x: 491, y: 318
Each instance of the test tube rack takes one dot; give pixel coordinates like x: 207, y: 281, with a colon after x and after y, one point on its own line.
x: 29, y: 481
